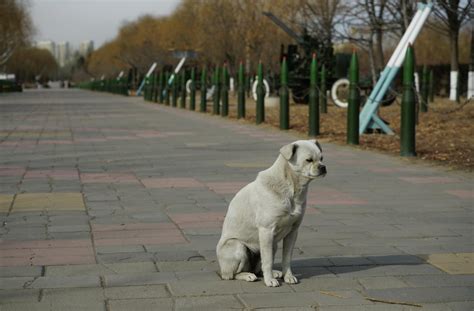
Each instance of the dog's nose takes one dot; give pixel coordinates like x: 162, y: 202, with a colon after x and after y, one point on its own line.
x: 322, y: 169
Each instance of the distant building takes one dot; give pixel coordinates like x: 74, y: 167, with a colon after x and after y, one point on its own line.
x: 47, y: 45
x: 86, y: 47
x: 63, y: 53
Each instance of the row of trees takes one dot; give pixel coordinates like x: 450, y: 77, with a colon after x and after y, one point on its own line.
x: 16, y: 54
x: 234, y: 30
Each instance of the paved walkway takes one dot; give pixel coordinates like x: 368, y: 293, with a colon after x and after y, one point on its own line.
x: 110, y: 203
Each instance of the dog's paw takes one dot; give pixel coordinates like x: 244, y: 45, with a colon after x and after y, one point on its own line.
x: 277, y: 274
x: 290, y: 279
x: 246, y: 276
x: 272, y: 283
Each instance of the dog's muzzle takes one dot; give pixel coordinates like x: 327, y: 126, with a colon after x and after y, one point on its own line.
x: 322, y: 170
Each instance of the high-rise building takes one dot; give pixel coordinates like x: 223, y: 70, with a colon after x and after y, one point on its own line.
x: 86, y: 47
x: 47, y: 45
x: 63, y: 53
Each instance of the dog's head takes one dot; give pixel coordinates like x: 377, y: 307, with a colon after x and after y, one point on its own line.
x: 305, y: 158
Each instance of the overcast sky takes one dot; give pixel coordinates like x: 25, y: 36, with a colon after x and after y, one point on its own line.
x: 97, y: 20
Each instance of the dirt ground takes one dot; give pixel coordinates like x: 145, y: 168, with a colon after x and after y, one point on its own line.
x: 444, y: 135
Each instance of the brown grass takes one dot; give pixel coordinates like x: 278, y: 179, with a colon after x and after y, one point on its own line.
x: 444, y: 135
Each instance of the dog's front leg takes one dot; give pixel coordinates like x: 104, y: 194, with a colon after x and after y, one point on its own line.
x: 265, y: 236
x: 288, y: 245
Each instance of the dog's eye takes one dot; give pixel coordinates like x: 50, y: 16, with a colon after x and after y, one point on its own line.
x: 321, y: 158
x: 309, y: 160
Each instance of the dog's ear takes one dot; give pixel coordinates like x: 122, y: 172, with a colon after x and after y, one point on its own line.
x: 288, y: 151
x: 317, y: 144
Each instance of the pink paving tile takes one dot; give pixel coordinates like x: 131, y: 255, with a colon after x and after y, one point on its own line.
x: 123, y: 137
x: 463, y: 194
x: 54, y: 174
x: 226, y: 187
x: 15, y: 261
x: 179, y: 133
x: 329, y: 196
x: 9, y: 244
x: 55, y: 142
x: 376, y: 169
x: 137, y: 233
x: 135, y: 226
x: 63, y: 260
x: 429, y: 180
x: 141, y: 241
x: 47, y: 256
x: 171, y: 183
x: 198, y: 220
x: 117, y: 178
x: 312, y: 211
x: 90, y: 140
x: 12, y: 170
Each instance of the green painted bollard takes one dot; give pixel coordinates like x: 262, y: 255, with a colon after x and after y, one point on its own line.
x: 156, y: 87
x: 313, y: 108
x: 424, y: 90
x: 408, y: 113
x: 354, y: 102
x: 160, y: 87
x: 167, y: 89
x: 284, y: 97
x: 225, y: 91
x: 174, y: 99
x: 217, y: 92
x: 431, y: 87
x: 323, y: 101
x: 203, y: 106
x: 192, y: 94
x: 147, y: 88
x: 241, y: 93
x: 260, y: 115
x: 182, y: 101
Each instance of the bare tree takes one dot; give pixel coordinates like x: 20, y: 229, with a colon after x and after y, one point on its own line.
x: 15, y: 27
x: 450, y: 15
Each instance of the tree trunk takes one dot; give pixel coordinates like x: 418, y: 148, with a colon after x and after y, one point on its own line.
x: 379, y: 50
x: 454, y: 47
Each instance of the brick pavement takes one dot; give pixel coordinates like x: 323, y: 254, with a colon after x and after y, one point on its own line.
x: 110, y: 203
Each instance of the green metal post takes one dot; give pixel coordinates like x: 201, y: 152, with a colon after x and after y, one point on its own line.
x: 408, y: 113
x: 157, y: 87
x: 161, y: 88
x: 354, y: 102
x: 174, y: 99
x: 260, y: 115
x: 167, y: 89
x: 431, y: 87
x: 225, y: 91
x: 424, y: 90
x: 313, y: 108
x: 284, y: 97
x: 323, y: 102
x: 182, y: 102
x: 192, y: 95
x: 203, y: 106
x: 217, y: 92
x: 241, y: 93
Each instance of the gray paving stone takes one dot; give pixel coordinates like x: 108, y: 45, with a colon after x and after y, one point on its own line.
x: 423, y: 294
x: 26, y: 306
x: 149, y: 304
x: 187, y: 266
x: 23, y: 295
x: 382, y: 282
x: 139, y: 279
x: 101, y: 269
x: 119, y: 249
x: 125, y: 257
x: 20, y: 271
x: 64, y: 282
x: 205, y: 303
x: 136, y: 292
x: 15, y: 282
x: 189, y: 288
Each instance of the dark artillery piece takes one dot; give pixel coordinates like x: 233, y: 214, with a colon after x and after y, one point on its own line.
x: 337, y: 64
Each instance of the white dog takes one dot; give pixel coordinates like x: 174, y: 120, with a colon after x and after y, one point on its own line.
x: 266, y: 211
